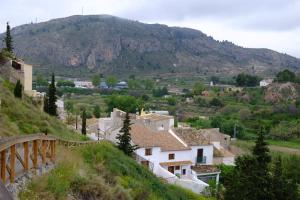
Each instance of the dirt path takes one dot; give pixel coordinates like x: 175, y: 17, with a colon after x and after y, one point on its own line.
x: 284, y: 149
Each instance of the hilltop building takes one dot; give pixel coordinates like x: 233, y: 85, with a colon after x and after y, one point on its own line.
x: 18, y: 70
x: 184, y: 156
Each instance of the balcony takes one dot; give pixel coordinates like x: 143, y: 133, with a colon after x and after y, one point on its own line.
x: 200, y: 160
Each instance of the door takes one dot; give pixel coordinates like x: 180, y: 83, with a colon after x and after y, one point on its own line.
x: 171, y: 169
x: 200, y: 153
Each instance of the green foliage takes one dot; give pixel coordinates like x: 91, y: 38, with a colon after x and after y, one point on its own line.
x: 97, y: 111
x: 159, y: 92
x: 228, y: 126
x: 125, y: 103
x: 172, y: 101
x: 247, y: 80
x: 285, y: 76
x: 199, y: 123
x: 201, y: 102
x: 96, y: 80
x: 216, y: 102
x: 18, y: 90
x: 198, y: 88
x: 111, y: 81
x: 83, y: 123
x: 41, y: 81
x: 286, y: 130
x: 65, y: 83
x: 124, y: 137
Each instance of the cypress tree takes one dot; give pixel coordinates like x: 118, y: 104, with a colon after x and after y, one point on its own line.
x: 8, y: 39
x: 83, y: 125
x: 52, y: 97
x: 18, y: 90
x: 124, y: 137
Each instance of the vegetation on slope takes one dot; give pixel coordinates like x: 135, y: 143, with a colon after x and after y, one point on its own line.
x: 101, y: 172
x: 21, y: 116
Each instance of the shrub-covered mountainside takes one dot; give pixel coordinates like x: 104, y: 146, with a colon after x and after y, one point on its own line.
x: 77, y: 45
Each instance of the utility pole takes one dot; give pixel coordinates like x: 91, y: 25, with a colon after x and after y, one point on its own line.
x: 234, y: 131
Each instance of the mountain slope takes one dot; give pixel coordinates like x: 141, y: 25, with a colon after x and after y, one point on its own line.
x: 114, y: 45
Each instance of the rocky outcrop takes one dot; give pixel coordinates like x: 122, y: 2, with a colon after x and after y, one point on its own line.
x: 111, y: 44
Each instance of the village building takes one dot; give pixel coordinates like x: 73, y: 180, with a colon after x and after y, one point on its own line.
x: 184, y: 156
x: 18, y: 70
x: 121, y: 85
x: 84, y: 84
x: 265, y: 82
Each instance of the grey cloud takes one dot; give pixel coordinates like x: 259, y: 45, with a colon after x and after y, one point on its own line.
x: 254, y: 14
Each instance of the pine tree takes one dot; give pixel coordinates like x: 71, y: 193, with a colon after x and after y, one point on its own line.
x: 83, y: 125
x: 124, y: 137
x: 52, y: 97
x: 262, y: 155
x: 251, y: 179
x: 278, y: 182
x: 18, y: 90
x: 8, y: 39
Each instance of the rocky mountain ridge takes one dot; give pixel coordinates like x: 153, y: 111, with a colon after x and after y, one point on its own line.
x: 93, y: 43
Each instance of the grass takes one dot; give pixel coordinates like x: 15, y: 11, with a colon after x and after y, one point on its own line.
x: 295, y: 144
x: 22, y: 116
x: 102, y: 172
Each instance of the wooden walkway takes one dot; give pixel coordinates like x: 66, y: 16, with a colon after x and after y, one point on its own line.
x: 19, y: 154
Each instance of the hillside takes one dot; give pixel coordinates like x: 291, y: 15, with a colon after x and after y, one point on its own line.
x: 94, y: 172
x: 102, y: 172
x: 23, y: 117
x: 80, y: 45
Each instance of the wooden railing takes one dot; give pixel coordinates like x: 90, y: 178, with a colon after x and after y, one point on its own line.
x: 20, y: 154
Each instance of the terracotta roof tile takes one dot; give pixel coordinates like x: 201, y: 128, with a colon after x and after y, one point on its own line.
x: 191, y: 136
x: 144, y: 137
x: 203, y: 169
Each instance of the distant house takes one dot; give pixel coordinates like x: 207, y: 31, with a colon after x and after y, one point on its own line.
x: 266, y: 82
x: 83, y: 84
x: 205, y: 93
x: 103, y: 85
x: 121, y: 85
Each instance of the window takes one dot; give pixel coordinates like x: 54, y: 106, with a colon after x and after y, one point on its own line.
x: 148, y: 152
x: 177, y: 167
x: 183, y: 171
x: 171, y: 156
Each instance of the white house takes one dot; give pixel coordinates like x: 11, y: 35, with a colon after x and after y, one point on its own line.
x: 178, y: 155
x: 83, y: 84
x: 266, y: 82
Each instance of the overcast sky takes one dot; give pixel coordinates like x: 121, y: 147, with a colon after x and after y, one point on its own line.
x: 273, y: 24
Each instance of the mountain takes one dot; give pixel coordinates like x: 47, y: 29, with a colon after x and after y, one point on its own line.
x: 80, y: 45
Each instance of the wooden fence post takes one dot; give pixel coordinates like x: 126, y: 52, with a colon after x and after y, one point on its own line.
x: 3, y: 166
x: 12, y: 163
x: 26, y: 156
x: 44, y: 151
x: 35, y: 153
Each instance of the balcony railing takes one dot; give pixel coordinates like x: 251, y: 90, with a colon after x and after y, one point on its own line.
x: 201, y: 160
